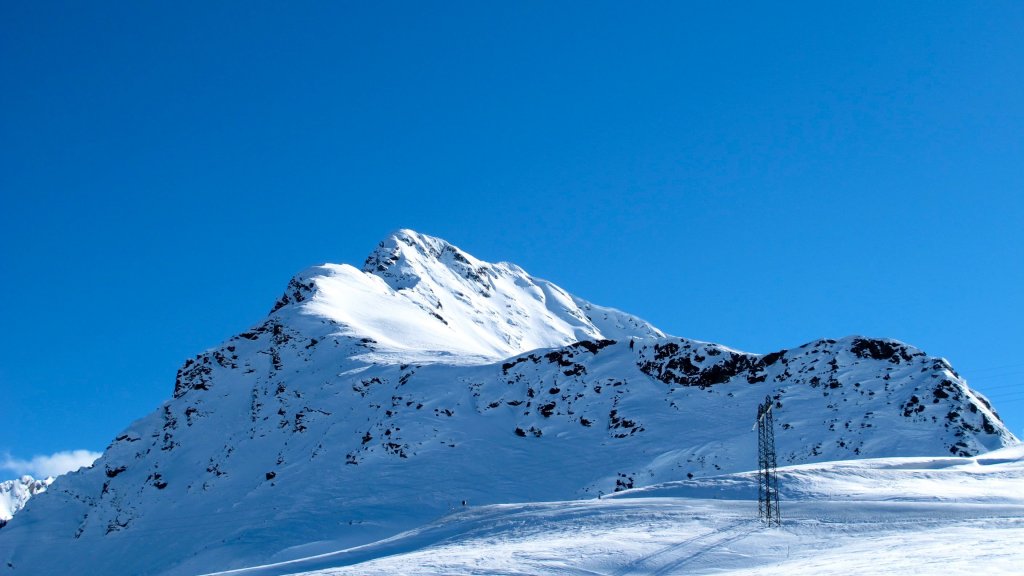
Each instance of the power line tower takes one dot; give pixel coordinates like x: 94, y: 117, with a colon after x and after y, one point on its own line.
x: 767, y: 478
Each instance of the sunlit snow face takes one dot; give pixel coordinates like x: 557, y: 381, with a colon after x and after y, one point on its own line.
x: 422, y: 297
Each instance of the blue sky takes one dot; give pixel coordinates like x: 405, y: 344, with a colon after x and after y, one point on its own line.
x: 758, y: 176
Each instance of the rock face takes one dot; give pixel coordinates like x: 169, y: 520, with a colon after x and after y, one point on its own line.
x: 15, y: 493
x: 370, y: 401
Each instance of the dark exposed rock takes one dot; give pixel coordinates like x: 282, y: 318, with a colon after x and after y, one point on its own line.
x: 592, y: 346
x: 562, y: 357
x: 509, y: 365
x: 575, y: 370
x: 675, y: 364
x: 194, y: 374
x: 769, y: 359
x: 296, y: 291
x: 880, y: 350
x: 113, y: 472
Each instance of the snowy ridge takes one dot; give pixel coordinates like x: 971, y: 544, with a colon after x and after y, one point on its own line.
x: 373, y: 401
x: 421, y: 299
x: 15, y: 493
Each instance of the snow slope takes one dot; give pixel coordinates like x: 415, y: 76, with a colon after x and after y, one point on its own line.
x: 877, y: 516
x: 373, y: 401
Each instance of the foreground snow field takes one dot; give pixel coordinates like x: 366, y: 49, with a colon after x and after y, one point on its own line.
x: 878, y: 516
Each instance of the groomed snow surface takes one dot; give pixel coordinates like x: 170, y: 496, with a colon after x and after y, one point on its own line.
x: 876, y: 516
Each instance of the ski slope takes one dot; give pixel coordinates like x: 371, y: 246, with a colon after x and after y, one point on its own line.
x: 876, y: 516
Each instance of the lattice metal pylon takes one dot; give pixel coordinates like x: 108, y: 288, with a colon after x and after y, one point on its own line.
x: 767, y: 478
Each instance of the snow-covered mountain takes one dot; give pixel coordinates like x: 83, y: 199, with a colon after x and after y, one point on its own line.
x: 15, y: 493
x: 371, y: 401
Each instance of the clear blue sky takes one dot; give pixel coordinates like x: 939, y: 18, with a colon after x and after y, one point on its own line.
x: 758, y: 176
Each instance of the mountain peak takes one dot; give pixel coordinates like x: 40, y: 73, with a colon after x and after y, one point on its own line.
x: 424, y: 244
x: 15, y: 493
x: 407, y: 243
x: 418, y: 298
x: 405, y: 256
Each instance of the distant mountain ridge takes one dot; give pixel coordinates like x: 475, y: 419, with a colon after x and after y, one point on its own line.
x: 15, y: 493
x: 372, y: 400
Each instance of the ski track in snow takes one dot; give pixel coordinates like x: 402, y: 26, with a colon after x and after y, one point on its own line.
x: 937, y: 539
x: 831, y: 525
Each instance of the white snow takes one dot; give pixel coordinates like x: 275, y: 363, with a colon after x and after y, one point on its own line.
x: 422, y: 299
x: 15, y: 493
x: 878, y: 516
x: 375, y: 402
